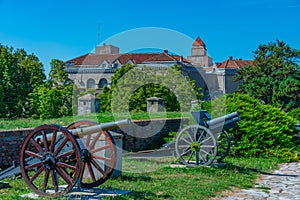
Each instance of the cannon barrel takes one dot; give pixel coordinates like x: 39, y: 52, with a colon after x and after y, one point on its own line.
x: 101, y: 127
x: 82, y: 131
x: 224, y: 123
x: 222, y: 119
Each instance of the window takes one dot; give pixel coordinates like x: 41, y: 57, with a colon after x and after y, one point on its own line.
x: 115, y: 65
x: 103, y: 65
x: 103, y: 82
x: 91, y: 83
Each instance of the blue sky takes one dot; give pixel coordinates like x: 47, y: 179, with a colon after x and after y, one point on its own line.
x: 67, y: 29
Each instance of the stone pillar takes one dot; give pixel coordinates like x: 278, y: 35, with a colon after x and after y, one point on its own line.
x: 155, y: 104
x: 88, y: 104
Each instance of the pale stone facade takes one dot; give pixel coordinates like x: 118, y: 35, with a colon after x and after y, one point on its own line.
x: 95, y: 70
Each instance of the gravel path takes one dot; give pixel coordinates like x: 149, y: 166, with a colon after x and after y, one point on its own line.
x: 281, y: 184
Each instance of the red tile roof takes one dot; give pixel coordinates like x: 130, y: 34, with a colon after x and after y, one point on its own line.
x: 234, y: 63
x: 137, y: 58
x: 199, y: 42
x: 93, y: 59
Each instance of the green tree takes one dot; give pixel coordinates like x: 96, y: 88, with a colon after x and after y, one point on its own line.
x: 132, y: 85
x: 20, y: 73
x: 54, y: 98
x: 57, y: 74
x: 275, y: 77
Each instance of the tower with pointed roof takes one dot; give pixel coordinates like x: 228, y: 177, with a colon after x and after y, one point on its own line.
x: 199, y: 56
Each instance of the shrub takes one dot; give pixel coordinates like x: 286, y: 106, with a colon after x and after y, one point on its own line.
x: 264, y: 130
x: 295, y: 113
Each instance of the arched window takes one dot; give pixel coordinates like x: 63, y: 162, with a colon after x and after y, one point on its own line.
x: 103, y: 82
x: 91, y: 83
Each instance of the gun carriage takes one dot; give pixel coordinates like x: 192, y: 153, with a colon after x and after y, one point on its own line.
x: 53, y: 159
x: 206, y: 141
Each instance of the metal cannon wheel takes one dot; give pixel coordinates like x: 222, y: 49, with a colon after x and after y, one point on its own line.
x: 50, y: 160
x: 98, y: 155
x: 224, y: 144
x: 196, y: 145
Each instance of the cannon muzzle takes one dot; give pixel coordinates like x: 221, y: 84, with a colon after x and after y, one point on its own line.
x: 224, y: 123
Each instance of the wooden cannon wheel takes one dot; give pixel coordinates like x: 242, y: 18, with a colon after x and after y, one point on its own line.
x: 196, y: 145
x: 224, y: 144
x: 98, y: 155
x: 50, y: 168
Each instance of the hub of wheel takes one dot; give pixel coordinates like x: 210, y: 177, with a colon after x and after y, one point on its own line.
x: 86, y: 155
x: 48, y: 161
x: 195, y: 146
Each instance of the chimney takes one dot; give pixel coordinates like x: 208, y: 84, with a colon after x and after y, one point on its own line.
x: 166, y: 51
x: 230, y: 58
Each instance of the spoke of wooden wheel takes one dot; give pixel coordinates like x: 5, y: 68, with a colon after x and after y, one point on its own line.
x: 190, y: 157
x: 101, y: 158
x: 82, y: 170
x: 60, y: 146
x: 87, y: 141
x: 185, y: 152
x: 54, y: 180
x: 206, y: 153
x: 33, y: 154
x: 94, y: 141
x: 53, y: 139
x: 201, y: 156
x: 186, y: 140
x: 37, y: 164
x: 91, y: 171
x: 98, y: 167
x: 64, y: 165
x: 184, y: 146
x: 207, y: 146
x: 64, y: 175
x: 45, y: 141
x: 37, y: 146
x: 46, y: 180
x: 200, y: 137
x: 39, y: 171
x: 195, y: 134
x: 99, y: 149
x: 65, y: 154
x: 201, y: 142
x: 190, y: 135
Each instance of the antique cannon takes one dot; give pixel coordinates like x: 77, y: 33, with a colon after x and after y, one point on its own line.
x: 202, y: 143
x: 53, y: 158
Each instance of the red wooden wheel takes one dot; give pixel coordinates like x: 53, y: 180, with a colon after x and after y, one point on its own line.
x: 98, y: 155
x: 50, y: 168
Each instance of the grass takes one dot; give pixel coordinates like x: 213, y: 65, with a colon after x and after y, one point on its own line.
x: 155, y: 179
x: 100, y: 117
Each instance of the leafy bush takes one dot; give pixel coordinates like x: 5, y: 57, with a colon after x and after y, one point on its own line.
x: 295, y: 113
x: 264, y: 130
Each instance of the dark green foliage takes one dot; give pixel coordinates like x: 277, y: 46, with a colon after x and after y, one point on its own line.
x: 275, y: 77
x: 264, y: 130
x: 295, y: 113
x: 20, y: 74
